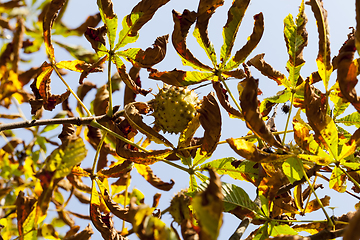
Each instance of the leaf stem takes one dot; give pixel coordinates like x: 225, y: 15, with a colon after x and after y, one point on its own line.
x: 188, y: 170
x: 125, y: 199
x: 97, y: 153
x: 330, y: 222
x: 288, y: 118
x: 231, y: 95
x: 110, y: 110
x: 70, y: 89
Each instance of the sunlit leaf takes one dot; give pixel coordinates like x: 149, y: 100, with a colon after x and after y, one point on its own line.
x: 296, y: 39
x: 155, y: 181
x: 205, y: 10
x: 235, y: 16
x: 350, y: 120
x: 109, y: 18
x: 338, y: 180
x: 276, y: 230
x: 180, y: 77
x: 244, y: 171
x: 50, y: 16
x: 314, y: 205
x: 223, y: 97
x: 267, y: 70
x: 323, y: 59
x: 208, y: 207
x: 182, y: 25
x: 249, y: 105
x: 252, y: 42
x: 292, y: 169
x: 280, y: 97
x: 124, y: 35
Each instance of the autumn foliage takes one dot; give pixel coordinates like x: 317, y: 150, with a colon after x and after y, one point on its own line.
x: 281, y: 166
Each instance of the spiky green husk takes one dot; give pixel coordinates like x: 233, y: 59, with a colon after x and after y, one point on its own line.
x: 174, y: 108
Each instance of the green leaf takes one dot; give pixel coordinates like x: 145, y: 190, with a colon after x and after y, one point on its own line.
x: 296, y: 39
x: 235, y: 196
x: 280, y: 97
x: 200, y: 158
x: 338, y: 180
x: 262, y: 233
x: 284, y: 229
x: 210, y: 51
x: 292, y: 169
x: 124, y: 35
x: 235, y: 16
x: 340, y: 104
x: 29, y: 230
x: 252, y: 42
x: 110, y: 20
x: 244, y: 171
x: 323, y: 59
x: 350, y: 120
x: 193, y: 186
x: 63, y: 160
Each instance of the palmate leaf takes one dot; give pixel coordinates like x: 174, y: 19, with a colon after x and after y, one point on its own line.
x: 338, y: 180
x: 296, y: 39
x: 323, y: 59
x: 292, y: 169
x: 205, y: 10
x: 252, y: 42
x: 109, y: 18
x: 235, y: 16
x: 151, y: 178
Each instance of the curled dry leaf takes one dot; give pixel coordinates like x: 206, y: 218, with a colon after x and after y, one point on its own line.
x: 78, y: 183
x: 153, y: 55
x: 101, y: 101
x: 252, y: 116
x: 117, y: 170
x: 130, y: 82
x: 49, y: 19
x: 210, y: 119
x: 151, y: 178
x: 122, y: 213
x: 96, y: 36
x: 174, y: 78
x: 347, y: 71
x: 24, y: 206
x: 83, y: 235
x: 107, y: 7
x: 86, y: 68
x: 42, y: 91
x: 67, y: 134
x: 91, y: 21
x: 129, y: 95
x: 266, y: 69
x: 103, y: 223
x: 182, y: 25
x: 132, y: 115
x: 221, y: 94
x: 147, y: 8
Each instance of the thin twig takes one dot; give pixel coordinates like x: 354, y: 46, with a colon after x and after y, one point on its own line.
x: 241, y: 229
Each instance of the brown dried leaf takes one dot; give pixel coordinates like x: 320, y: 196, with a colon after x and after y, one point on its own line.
x: 130, y: 82
x: 96, y: 36
x: 151, y: 178
x: 91, y: 21
x: 347, y: 72
x: 93, y: 67
x: 50, y: 16
x: 182, y: 25
x: 221, y: 94
x: 314, y: 205
x: 132, y: 114
x: 147, y: 8
x: 18, y: 43
x: 107, y: 7
x: 253, y: 41
x: 266, y: 69
x: 78, y: 183
x: 175, y: 77
x: 210, y: 119
x: 67, y: 134
x: 103, y: 223
x: 83, y: 235
x: 151, y: 55
x: 116, y: 171
x: 101, y: 101
x: 129, y: 95
x: 252, y: 116
x: 24, y: 206
x: 122, y: 213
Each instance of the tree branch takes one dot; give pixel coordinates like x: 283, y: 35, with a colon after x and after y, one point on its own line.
x: 241, y: 229
x: 74, y: 120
